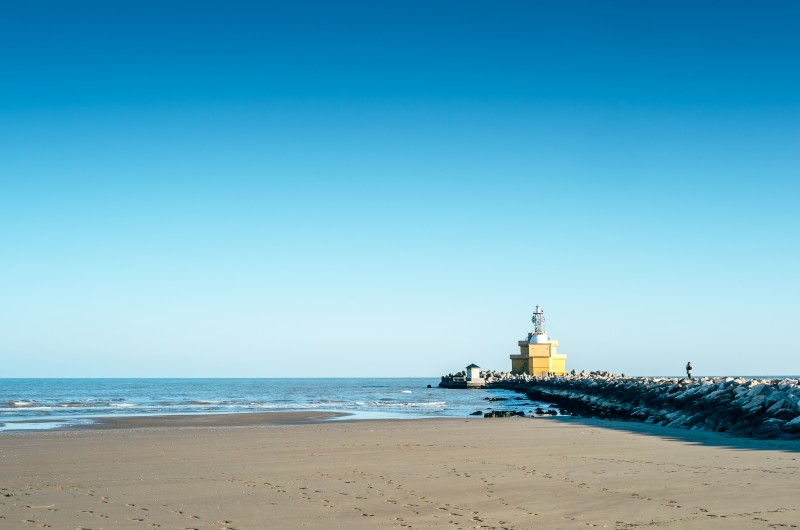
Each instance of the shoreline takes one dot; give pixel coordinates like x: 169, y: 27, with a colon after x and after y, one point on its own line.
x: 288, y: 419
x: 235, y: 419
x: 232, y: 419
x: 166, y: 422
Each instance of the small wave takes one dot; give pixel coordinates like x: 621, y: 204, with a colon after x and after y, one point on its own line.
x: 39, y: 407
x: 74, y: 404
x: 289, y: 406
x: 405, y: 392
x: 401, y: 404
x: 122, y: 405
x: 303, y: 406
x: 20, y: 403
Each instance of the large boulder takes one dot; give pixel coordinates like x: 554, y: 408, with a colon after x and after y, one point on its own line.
x: 792, y: 427
x: 770, y: 428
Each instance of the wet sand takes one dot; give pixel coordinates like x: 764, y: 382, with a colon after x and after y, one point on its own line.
x: 298, y: 471
x: 212, y: 420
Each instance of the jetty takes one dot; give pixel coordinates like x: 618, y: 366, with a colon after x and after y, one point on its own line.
x: 751, y: 407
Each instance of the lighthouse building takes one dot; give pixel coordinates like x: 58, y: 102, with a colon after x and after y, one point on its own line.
x: 537, y: 354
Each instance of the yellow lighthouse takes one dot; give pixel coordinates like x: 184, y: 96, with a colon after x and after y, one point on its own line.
x: 537, y: 354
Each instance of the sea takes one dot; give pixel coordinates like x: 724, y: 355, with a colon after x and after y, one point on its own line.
x: 36, y: 404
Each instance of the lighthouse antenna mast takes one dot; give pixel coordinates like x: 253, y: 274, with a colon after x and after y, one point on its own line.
x: 538, y: 321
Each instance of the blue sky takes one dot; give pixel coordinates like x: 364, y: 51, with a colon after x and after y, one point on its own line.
x: 388, y: 188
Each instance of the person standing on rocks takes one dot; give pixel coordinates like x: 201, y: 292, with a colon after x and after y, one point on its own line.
x: 689, y: 369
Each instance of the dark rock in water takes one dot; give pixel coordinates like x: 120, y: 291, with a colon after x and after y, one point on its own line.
x: 539, y: 410
x: 552, y: 412
x: 495, y: 399
x: 429, y: 386
x: 519, y: 413
x: 499, y: 414
x: 519, y: 398
x: 477, y: 413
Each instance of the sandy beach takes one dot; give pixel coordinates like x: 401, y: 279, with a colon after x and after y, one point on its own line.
x: 300, y: 471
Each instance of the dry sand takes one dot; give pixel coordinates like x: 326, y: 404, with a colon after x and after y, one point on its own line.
x: 226, y: 472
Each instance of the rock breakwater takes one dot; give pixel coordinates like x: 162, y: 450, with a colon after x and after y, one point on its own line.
x: 758, y: 408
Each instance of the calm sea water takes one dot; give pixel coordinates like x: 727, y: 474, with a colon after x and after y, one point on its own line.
x: 48, y: 403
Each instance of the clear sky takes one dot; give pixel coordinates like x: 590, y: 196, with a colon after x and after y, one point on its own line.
x: 388, y: 188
